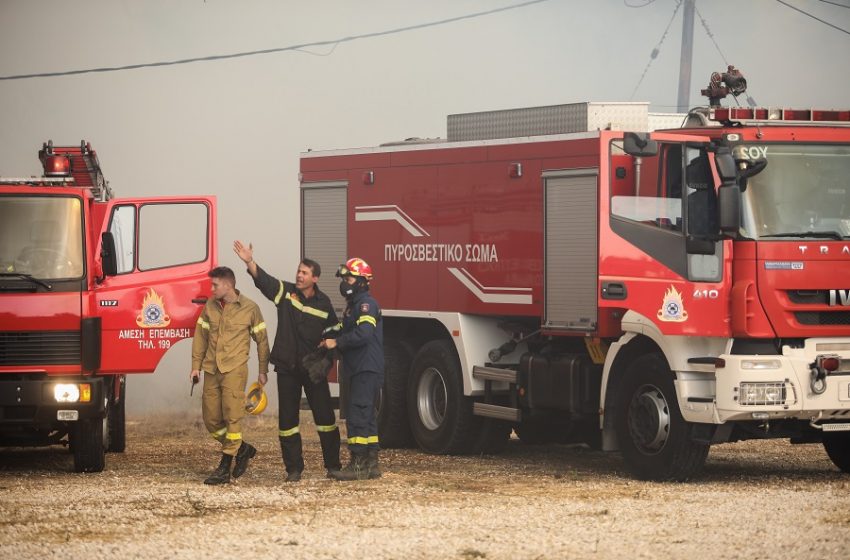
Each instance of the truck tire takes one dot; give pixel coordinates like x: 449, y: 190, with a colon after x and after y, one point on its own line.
x: 116, y: 420
x: 87, y: 445
x: 440, y: 415
x: 393, y: 423
x: 654, y: 439
x: 837, y: 446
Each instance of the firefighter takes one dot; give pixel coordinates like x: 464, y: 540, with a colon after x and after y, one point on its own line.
x: 361, y: 342
x: 303, y: 312
x: 220, y: 349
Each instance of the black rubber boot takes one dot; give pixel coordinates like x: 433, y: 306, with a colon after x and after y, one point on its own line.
x: 372, y: 457
x: 222, y: 474
x: 349, y: 466
x: 290, y: 450
x: 246, y: 453
x: 357, y: 469
x: 330, y: 449
x: 294, y: 476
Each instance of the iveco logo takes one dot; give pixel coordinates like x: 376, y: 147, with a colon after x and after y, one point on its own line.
x: 839, y: 297
x: 824, y: 249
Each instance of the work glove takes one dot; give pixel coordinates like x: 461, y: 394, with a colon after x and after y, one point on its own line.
x: 318, y: 364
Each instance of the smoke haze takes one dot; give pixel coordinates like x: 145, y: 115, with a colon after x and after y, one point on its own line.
x: 235, y: 128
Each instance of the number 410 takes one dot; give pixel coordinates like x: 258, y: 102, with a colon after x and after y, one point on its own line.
x: 710, y: 294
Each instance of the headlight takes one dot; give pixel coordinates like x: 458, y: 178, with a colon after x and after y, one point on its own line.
x: 66, y: 392
x: 766, y: 394
x: 72, y: 392
x: 760, y: 364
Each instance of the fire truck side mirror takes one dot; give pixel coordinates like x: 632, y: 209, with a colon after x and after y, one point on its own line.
x: 725, y: 165
x: 729, y: 205
x: 638, y: 144
x: 107, y: 254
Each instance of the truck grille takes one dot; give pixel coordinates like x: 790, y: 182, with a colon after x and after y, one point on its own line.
x: 823, y: 317
x: 29, y: 348
x: 809, y: 297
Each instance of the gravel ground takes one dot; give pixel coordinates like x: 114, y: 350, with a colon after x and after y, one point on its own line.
x: 756, y: 500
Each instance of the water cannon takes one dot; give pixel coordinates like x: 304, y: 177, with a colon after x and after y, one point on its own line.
x: 721, y: 85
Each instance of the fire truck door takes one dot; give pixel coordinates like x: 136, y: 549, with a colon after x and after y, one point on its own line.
x: 164, y: 249
x: 675, y: 195
x: 570, y: 202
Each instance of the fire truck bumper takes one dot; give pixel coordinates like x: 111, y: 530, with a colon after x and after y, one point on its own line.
x: 808, y: 383
x: 48, y: 402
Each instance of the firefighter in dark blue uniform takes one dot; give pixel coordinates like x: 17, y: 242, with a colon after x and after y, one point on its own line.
x: 361, y: 343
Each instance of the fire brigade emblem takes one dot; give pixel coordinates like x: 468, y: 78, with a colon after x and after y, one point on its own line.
x: 672, y: 308
x: 153, y: 312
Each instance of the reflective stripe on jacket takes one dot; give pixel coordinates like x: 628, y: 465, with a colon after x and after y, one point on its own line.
x: 362, y: 338
x: 223, y: 336
x: 300, y: 320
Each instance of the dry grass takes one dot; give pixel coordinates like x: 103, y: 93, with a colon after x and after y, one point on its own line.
x: 529, y: 502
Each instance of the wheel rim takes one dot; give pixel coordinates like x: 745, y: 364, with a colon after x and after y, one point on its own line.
x: 649, y: 419
x: 432, y: 398
x: 106, y: 424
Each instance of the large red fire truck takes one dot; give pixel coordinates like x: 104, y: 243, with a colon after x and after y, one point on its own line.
x: 91, y: 288
x: 543, y: 270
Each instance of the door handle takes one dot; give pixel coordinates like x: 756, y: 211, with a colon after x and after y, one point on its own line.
x: 199, y: 300
x: 614, y: 290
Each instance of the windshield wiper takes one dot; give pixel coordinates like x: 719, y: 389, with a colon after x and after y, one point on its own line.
x: 816, y: 234
x: 25, y: 276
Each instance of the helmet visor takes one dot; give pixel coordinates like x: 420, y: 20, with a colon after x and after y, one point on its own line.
x: 343, y: 271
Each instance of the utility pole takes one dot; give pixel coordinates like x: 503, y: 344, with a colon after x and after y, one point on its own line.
x: 686, y: 56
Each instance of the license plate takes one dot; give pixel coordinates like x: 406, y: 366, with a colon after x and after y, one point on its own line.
x: 67, y: 415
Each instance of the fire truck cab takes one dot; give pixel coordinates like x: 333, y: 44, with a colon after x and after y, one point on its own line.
x: 547, y: 271
x: 92, y: 287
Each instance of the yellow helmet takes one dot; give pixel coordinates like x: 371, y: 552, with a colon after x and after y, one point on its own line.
x: 255, y: 400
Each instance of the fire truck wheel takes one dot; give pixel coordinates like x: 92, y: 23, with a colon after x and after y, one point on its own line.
x: 116, y: 425
x: 837, y: 445
x: 393, y: 424
x: 440, y: 415
x: 654, y: 439
x: 87, y: 438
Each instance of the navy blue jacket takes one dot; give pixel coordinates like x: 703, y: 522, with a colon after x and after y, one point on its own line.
x: 362, y: 338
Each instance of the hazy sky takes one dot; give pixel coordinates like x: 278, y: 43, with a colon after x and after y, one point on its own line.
x: 235, y: 128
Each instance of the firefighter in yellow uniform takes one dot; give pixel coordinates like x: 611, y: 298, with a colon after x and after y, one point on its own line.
x: 220, y: 349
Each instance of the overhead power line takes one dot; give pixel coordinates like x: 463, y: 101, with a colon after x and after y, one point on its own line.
x: 644, y: 5
x: 750, y: 100
x: 835, y: 4
x: 301, y: 46
x: 814, y: 17
x: 654, y: 54
x: 711, y: 35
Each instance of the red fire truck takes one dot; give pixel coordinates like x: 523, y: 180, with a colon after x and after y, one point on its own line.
x: 546, y: 270
x: 91, y: 288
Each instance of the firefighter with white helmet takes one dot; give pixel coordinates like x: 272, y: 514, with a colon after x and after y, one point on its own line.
x: 360, y: 340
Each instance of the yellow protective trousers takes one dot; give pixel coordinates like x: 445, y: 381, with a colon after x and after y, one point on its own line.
x: 223, y: 406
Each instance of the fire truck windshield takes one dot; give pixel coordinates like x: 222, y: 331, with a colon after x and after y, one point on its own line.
x: 803, y: 191
x: 41, y: 236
